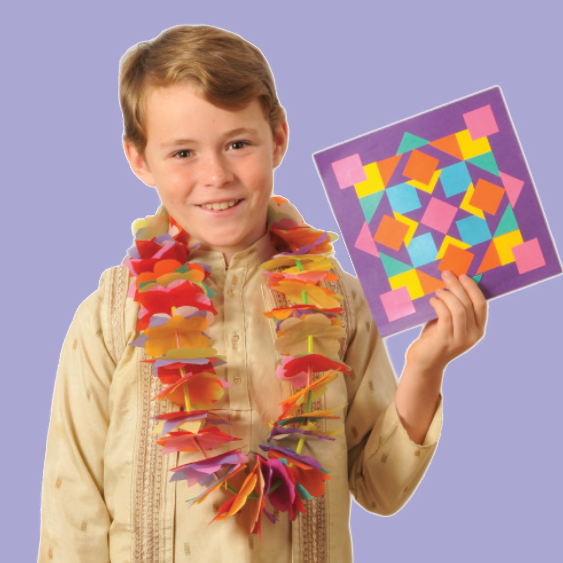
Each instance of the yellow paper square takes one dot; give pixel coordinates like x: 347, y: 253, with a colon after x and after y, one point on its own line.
x: 374, y: 182
x: 469, y: 147
x: 410, y: 281
x: 505, y: 243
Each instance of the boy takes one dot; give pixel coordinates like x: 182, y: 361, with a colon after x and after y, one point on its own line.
x: 203, y: 125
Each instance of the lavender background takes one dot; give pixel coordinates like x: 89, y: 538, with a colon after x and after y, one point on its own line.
x: 493, y: 492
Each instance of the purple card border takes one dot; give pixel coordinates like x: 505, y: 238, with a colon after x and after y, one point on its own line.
x: 435, y: 124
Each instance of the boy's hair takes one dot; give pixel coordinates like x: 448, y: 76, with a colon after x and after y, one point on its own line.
x: 229, y: 71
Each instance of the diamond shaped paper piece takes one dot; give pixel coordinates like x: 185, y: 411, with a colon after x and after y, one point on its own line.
x: 349, y: 171
x: 391, y: 232
x: 487, y: 196
x: 439, y: 215
x: 422, y: 250
x: 456, y: 260
x: 473, y: 230
x: 528, y: 256
x: 455, y: 179
x: 397, y: 303
x: 481, y: 122
x: 403, y: 198
x: 420, y: 167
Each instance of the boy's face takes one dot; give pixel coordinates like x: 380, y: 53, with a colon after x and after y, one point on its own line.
x: 213, y: 168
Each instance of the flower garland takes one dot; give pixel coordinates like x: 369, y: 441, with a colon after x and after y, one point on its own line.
x: 176, y: 309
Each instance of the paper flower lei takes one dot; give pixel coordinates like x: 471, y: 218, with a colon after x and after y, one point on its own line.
x: 176, y: 309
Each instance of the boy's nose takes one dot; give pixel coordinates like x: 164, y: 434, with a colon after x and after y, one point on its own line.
x: 215, y: 171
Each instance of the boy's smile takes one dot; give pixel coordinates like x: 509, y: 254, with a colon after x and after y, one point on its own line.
x: 213, y: 168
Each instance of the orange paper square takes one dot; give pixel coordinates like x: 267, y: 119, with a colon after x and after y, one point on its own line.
x: 487, y: 196
x: 456, y: 260
x: 391, y: 232
x: 420, y: 167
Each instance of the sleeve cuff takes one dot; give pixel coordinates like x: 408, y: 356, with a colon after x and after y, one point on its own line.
x: 434, y: 430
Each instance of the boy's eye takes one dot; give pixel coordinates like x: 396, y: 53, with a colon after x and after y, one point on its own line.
x: 183, y: 153
x: 236, y: 145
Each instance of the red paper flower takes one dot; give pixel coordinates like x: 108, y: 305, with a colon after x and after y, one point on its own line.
x: 163, y: 300
x: 296, y: 370
x: 205, y: 439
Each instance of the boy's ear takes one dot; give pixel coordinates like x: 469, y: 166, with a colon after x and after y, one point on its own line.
x: 281, y: 140
x: 138, y: 165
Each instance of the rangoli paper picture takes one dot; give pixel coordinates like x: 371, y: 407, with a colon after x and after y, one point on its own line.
x: 448, y: 189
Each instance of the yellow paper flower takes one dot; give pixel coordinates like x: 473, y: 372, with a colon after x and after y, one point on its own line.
x: 284, y: 261
x: 150, y: 227
x: 176, y: 333
x: 319, y: 296
x: 322, y: 265
x: 293, y: 335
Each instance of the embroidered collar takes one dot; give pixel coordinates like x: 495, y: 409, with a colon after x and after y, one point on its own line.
x: 255, y: 255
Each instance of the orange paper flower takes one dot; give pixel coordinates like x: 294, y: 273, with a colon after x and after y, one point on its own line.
x: 316, y: 295
x: 317, y: 388
x: 204, y: 390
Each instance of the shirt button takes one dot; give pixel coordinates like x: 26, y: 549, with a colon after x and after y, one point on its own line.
x: 231, y: 293
x: 234, y: 339
x: 238, y: 379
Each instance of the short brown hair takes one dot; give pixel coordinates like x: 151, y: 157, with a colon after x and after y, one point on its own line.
x: 229, y: 70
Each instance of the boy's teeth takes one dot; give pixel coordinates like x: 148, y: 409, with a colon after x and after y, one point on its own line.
x: 220, y: 206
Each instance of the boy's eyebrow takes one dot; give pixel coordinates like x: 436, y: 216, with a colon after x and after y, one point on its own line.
x: 231, y: 133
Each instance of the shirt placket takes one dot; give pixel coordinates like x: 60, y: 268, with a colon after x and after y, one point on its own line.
x: 236, y: 346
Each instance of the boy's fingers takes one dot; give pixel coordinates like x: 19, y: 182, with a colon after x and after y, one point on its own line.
x: 458, y: 312
x: 445, y: 323
x: 455, y: 286
x: 479, y: 303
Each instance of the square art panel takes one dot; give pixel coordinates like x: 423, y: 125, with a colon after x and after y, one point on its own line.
x: 446, y: 189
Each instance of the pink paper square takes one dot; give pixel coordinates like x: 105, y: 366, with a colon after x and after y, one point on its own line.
x: 397, y: 303
x: 481, y: 122
x: 528, y: 256
x: 439, y: 215
x: 349, y: 171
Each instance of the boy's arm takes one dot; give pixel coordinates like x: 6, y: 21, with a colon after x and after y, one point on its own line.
x: 462, y: 317
x: 384, y: 464
x: 74, y: 518
x: 391, y: 442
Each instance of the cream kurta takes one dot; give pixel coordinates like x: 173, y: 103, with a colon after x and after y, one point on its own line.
x: 106, y: 495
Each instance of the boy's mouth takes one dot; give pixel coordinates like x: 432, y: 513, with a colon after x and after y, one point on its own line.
x: 221, y: 206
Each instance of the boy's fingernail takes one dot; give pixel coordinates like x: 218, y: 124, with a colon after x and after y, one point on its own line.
x: 447, y: 274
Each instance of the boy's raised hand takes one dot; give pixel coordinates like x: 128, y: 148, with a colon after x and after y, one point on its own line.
x: 462, y: 317
x: 461, y: 322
